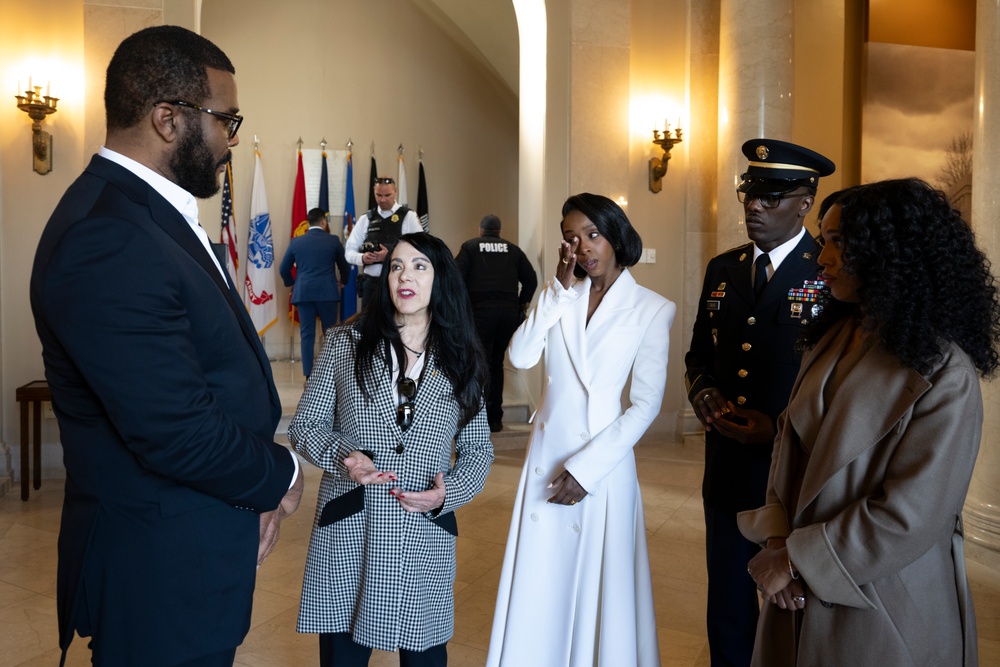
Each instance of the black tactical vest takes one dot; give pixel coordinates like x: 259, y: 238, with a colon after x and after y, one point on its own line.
x: 385, y: 231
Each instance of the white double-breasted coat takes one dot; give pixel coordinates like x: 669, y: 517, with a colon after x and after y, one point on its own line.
x: 575, y: 588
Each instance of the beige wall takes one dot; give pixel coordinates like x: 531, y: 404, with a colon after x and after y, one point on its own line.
x: 45, y: 41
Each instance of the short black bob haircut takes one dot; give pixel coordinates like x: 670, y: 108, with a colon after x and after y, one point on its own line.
x: 611, y: 222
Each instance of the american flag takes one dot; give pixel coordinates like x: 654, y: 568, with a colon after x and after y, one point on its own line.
x: 227, y: 234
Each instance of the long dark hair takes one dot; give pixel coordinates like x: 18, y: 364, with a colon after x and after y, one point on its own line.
x: 451, y: 335
x: 922, y: 280
x: 611, y: 222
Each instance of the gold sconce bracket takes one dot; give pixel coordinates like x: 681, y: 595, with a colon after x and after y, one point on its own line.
x: 658, y: 165
x: 38, y: 107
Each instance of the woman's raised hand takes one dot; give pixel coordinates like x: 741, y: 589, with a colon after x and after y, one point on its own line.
x: 567, y: 262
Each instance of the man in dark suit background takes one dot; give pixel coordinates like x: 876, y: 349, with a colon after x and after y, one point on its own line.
x: 741, y: 367
x: 314, y: 286
x: 163, y: 393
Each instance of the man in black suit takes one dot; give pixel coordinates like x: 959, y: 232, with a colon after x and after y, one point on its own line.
x: 315, y: 292
x: 741, y: 367
x: 163, y: 393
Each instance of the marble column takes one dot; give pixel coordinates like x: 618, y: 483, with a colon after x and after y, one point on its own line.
x: 982, y: 507
x: 599, y: 96
x: 756, y: 77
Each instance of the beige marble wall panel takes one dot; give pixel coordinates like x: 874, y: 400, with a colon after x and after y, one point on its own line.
x: 126, y: 4
x: 599, y: 125
x: 604, y: 22
x: 105, y: 25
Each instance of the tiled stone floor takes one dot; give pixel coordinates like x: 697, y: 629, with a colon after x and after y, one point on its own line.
x: 670, y: 475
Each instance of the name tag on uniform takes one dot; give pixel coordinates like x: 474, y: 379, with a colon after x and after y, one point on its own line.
x: 712, y: 305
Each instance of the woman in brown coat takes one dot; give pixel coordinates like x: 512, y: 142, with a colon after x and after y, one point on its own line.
x: 862, y: 532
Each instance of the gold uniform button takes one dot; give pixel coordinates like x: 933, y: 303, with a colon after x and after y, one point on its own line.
x: 752, y: 321
x: 741, y: 400
x: 746, y: 347
x: 743, y: 373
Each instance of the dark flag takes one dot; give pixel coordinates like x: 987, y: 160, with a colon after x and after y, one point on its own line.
x: 371, y: 184
x: 422, y: 210
x: 349, y: 297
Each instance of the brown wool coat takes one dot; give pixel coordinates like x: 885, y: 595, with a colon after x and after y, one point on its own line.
x: 873, y: 519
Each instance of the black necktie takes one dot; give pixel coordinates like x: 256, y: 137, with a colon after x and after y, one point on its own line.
x: 760, y: 275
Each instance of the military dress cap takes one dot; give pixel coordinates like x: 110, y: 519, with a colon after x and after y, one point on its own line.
x: 778, y: 166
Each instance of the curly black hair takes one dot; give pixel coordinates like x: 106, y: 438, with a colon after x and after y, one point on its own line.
x: 452, y: 333
x: 161, y: 63
x: 923, y: 282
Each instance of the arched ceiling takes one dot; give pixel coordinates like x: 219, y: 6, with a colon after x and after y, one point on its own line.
x: 486, y: 28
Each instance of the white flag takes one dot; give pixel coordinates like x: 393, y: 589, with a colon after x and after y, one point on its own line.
x: 401, y: 195
x: 259, y: 295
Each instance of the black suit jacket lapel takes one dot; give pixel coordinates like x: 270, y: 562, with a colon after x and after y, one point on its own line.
x: 173, y: 223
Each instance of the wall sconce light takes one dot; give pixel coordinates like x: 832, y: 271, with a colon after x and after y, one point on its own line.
x: 658, y: 165
x: 38, y: 106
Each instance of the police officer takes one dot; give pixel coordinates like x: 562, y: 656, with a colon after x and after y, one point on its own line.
x: 741, y: 367
x: 376, y: 232
x: 492, y: 268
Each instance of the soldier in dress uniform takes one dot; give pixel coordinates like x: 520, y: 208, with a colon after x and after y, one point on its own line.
x: 741, y: 366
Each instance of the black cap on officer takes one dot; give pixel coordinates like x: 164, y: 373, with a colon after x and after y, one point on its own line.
x: 491, y: 224
x: 777, y: 167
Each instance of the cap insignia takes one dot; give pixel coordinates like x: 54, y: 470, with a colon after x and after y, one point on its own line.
x: 762, y: 152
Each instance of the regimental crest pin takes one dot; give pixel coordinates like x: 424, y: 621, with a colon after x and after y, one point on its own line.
x: 807, y: 255
x: 743, y: 257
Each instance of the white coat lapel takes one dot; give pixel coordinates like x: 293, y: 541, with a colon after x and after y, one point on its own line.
x: 573, y: 325
x: 604, y: 324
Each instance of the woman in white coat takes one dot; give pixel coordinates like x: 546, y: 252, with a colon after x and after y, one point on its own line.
x: 575, y: 589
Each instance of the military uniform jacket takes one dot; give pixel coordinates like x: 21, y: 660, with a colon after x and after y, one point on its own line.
x: 381, y: 573
x: 747, y: 350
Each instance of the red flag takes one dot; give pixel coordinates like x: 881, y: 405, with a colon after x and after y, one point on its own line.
x: 300, y: 225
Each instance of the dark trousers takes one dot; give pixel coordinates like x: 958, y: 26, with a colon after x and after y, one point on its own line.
x: 495, y: 324
x: 326, y: 311
x: 337, y: 649
x: 224, y: 659
x: 733, y: 605
x: 368, y: 286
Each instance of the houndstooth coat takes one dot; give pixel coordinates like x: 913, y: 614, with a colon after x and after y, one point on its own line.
x: 383, y: 574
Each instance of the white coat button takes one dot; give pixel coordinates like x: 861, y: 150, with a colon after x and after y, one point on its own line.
x: 576, y: 528
x: 585, y: 436
x: 534, y: 517
x: 539, y: 470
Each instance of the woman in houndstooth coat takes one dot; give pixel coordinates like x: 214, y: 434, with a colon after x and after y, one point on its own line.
x: 386, y: 400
